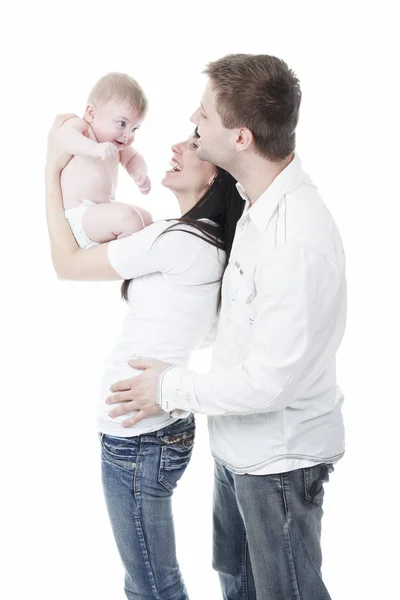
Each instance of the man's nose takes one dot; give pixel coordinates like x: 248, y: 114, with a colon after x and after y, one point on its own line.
x: 195, y: 118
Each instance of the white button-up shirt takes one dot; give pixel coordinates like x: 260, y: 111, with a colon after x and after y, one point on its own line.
x: 271, y: 394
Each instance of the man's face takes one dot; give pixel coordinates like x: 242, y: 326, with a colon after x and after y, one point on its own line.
x: 216, y: 143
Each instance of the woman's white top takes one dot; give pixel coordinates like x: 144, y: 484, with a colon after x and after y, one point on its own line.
x: 173, y: 303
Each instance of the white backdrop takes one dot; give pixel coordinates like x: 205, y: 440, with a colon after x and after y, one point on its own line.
x: 55, y: 335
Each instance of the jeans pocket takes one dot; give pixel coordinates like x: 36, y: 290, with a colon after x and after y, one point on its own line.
x: 175, y: 457
x: 119, y: 451
x: 314, y: 479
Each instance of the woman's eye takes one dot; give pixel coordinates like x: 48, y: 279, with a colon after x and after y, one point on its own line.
x: 194, y: 146
x: 121, y: 123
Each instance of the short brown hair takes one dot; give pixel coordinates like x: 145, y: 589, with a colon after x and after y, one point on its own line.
x: 261, y: 93
x: 122, y: 87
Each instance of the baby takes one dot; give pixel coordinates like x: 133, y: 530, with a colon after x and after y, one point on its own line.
x: 99, y: 142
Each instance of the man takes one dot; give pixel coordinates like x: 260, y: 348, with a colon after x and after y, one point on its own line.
x: 274, y: 408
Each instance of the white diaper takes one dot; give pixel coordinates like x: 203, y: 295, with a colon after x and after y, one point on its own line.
x: 75, y: 216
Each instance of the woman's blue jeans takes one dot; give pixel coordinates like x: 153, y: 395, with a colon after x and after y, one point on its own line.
x: 139, y: 475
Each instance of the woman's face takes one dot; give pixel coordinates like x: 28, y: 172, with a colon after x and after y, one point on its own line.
x: 188, y: 177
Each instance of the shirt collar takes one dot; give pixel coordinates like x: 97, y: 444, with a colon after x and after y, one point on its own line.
x: 262, y: 210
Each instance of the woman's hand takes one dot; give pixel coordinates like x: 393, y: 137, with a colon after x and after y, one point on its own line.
x: 57, y: 159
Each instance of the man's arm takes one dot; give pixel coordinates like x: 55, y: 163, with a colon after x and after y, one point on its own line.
x: 291, y: 286
x: 295, y: 286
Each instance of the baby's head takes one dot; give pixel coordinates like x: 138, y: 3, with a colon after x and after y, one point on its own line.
x: 116, y: 108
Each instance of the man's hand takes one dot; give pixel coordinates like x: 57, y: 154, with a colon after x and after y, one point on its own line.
x: 56, y: 158
x: 137, y: 393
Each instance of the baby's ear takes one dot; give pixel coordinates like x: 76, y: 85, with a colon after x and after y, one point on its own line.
x: 90, y: 113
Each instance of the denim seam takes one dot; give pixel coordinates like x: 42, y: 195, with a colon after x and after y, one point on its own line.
x: 244, y: 570
x: 295, y: 587
x: 136, y: 487
x: 160, y: 477
x: 145, y: 554
x: 139, y: 529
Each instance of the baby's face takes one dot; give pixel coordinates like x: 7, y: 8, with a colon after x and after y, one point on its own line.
x: 116, y: 122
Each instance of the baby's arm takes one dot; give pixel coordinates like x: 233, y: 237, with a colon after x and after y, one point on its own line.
x: 72, y: 138
x: 135, y: 164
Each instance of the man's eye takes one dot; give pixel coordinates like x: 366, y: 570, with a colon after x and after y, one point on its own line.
x: 121, y: 123
x: 194, y: 146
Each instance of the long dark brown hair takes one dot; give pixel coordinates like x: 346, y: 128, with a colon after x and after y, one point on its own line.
x: 221, y: 204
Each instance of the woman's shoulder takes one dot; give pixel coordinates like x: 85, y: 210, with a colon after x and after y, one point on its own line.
x: 188, y: 249
x: 180, y: 233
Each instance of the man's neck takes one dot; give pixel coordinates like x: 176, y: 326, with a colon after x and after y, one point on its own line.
x: 255, y: 174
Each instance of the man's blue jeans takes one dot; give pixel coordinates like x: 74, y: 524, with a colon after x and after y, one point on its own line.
x: 267, y: 531
x: 139, y: 475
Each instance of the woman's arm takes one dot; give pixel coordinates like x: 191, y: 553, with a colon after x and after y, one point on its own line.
x: 143, y: 252
x: 69, y: 260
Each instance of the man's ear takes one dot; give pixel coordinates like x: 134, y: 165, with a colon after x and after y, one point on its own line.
x: 244, y: 139
x: 90, y: 112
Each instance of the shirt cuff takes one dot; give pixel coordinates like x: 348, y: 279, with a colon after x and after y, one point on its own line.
x: 171, y: 396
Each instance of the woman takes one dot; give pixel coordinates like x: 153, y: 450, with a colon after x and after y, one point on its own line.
x: 172, y: 272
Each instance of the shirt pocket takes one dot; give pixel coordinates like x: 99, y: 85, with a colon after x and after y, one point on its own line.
x: 242, y: 294
x: 240, y: 311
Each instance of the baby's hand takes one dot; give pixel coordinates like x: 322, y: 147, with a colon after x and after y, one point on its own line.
x: 105, y: 150
x: 143, y: 182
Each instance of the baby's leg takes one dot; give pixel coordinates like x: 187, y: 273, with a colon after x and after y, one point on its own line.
x: 147, y: 218
x: 111, y: 220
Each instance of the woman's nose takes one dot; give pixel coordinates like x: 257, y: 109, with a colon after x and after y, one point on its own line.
x: 176, y: 148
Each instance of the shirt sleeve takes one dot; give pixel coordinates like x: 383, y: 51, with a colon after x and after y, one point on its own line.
x: 295, y: 286
x: 147, y: 251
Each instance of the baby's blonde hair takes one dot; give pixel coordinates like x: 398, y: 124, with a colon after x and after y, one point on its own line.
x: 119, y: 86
